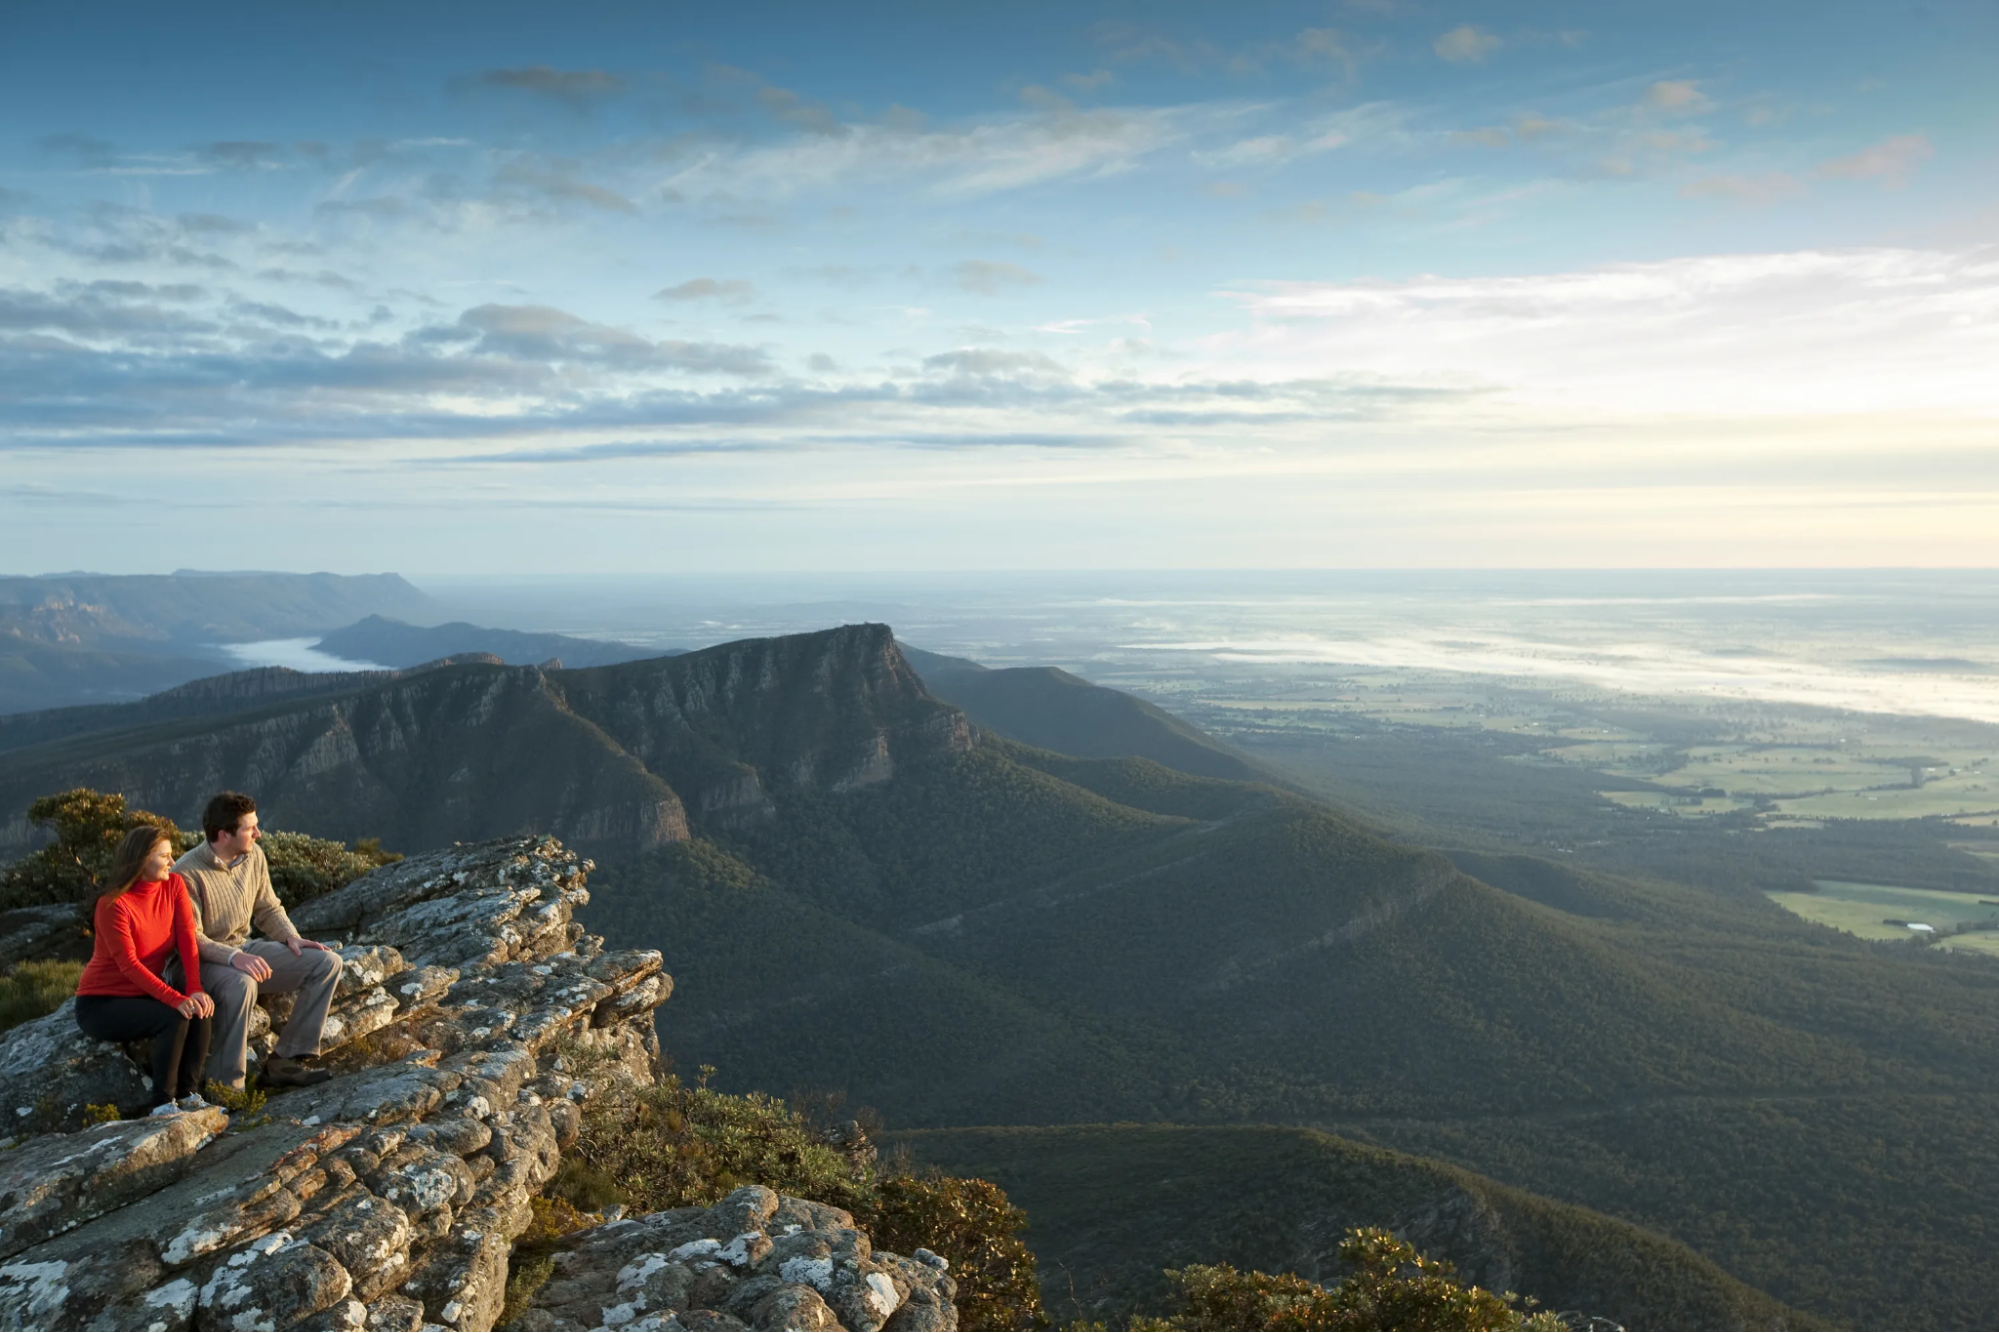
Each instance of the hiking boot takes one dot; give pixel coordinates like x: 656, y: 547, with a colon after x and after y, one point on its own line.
x: 164, y: 1108
x: 282, y: 1071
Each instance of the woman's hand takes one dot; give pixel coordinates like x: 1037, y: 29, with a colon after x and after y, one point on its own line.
x: 197, y: 1005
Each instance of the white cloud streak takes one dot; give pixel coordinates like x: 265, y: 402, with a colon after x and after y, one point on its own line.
x: 1809, y: 331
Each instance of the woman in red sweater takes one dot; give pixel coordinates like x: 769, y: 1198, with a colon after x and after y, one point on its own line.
x: 123, y: 994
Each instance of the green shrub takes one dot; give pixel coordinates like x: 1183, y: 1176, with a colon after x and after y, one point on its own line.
x: 303, y: 867
x: 35, y: 988
x: 246, y: 1100
x: 970, y: 1223
x: 88, y: 824
x: 87, y: 827
x: 1392, y: 1286
x: 676, y: 1146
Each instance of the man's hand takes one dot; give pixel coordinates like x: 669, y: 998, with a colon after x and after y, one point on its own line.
x: 198, y: 1005
x: 251, y: 966
x: 296, y: 943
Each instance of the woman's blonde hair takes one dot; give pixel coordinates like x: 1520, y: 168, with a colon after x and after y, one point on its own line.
x: 130, y: 858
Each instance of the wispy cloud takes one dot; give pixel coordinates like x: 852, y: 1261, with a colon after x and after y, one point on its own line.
x: 1807, y: 331
x: 1679, y: 96
x: 991, y: 277
x: 1465, y: 45
x: 576, y: 88
x: 1757, y: 191
x: 1891, y: 161
x: 1005, y: 153
x: 731, y: 291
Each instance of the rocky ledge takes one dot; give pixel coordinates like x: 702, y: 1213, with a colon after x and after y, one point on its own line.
x: 475, y: 1021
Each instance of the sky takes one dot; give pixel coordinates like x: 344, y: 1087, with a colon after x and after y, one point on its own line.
x: 495, y: 289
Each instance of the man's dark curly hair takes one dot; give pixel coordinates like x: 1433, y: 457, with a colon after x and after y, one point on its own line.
x: 225, y: 811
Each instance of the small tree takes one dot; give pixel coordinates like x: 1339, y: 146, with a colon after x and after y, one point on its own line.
x: 87, y: 826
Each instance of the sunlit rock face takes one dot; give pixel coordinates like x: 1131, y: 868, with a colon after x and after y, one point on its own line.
x: 474, y: 1021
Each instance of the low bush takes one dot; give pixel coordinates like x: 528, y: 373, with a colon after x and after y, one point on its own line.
x: 36, y: 988
x: 1392, y: 1286
x: 675, y: 1145
x: 971, y: 1223
x: 88, y: 825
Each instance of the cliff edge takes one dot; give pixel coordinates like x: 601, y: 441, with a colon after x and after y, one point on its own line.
x: 475, y: 1021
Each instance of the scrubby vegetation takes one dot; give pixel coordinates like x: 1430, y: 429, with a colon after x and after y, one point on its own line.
x: 677, y: 1145
x: 36, y: 988
x: 1392, y: 1286
x: 87, y: 825
x: 303, y: 867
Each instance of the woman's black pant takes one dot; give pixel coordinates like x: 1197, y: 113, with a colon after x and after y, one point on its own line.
x: 180, y: 1045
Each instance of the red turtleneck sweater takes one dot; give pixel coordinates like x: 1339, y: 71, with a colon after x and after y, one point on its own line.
x: 135, y: 932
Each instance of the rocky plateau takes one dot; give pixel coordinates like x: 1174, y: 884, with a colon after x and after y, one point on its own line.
x: 475, y: 1022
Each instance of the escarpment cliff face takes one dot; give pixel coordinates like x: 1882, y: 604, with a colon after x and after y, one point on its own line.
x: 602, y: 757
x: 456, y: 753
x: 475, y: 1022
x: 834, y: 710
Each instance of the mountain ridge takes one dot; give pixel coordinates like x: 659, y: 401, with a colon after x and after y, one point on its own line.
x: 397, y: 644
x: 1063, y: 939
x: 1051, y: 709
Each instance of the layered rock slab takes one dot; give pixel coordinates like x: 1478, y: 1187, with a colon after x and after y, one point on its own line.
x: 473, y: 1020
x: 755, y: 1260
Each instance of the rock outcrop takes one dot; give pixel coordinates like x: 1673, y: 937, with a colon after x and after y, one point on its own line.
x: 474, y: 1021
x: 757, y: 1259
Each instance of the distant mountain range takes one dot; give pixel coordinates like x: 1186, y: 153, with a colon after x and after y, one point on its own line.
x: 862, y: 887
x: 88, y: 638
x: 396, y: 643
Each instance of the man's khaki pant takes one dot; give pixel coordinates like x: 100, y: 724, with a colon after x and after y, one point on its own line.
x: 313, y: 973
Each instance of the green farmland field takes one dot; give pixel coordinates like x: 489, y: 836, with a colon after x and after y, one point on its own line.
x: 1865, y: 910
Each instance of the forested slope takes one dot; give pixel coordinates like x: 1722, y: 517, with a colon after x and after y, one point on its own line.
x: 1109, y: 1206
x: 878, y: 899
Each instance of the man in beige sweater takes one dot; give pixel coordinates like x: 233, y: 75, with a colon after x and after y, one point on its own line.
x: 230, y: 883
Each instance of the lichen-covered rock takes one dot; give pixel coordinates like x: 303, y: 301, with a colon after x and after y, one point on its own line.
x: 369, y: 1235
x: 395, y: 1314
x: 60, y: 1181
x: 275, y: 1280
x: 757, y: 1259
x: 389, y: 1197
x: 463, y: 1282
x: 50, y: 1071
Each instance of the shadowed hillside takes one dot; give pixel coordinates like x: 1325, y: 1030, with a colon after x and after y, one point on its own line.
x: 1049, y: 708
x: 1110, y: 1206
x: 459, y: 753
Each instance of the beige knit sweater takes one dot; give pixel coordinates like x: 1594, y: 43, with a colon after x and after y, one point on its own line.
x: 229, y: 898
